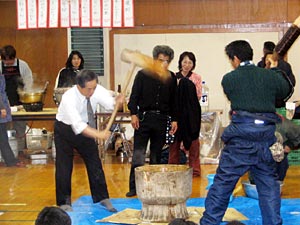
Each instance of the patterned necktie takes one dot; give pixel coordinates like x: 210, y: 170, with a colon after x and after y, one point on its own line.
x: 91, y: 118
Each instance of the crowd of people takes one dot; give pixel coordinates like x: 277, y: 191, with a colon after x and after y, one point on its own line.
x: 152, y: 103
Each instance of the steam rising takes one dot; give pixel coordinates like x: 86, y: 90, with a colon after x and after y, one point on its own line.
x: 30, y: 86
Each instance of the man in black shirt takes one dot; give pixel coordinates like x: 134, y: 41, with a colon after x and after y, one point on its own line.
x: 284, y: 66
x: 151, y: 102
x: 267, y: 49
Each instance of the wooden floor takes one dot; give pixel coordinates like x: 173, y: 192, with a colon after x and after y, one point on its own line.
x: 25, y: 191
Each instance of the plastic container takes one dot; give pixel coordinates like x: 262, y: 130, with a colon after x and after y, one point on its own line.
x: 53, y: 150
x: 37, y: 140
x: 204, y: 103
x: 281, y: 111
x: 294, y: 157
x: 251, y: 191
x: 296, y: 121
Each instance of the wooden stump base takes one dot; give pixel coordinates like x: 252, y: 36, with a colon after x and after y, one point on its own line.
x: 163, y: 213
x: 163, y: 191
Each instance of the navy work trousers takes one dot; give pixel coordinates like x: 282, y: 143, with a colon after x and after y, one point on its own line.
x: 246, y: 149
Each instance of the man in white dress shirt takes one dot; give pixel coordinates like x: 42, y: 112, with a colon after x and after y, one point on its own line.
x: 71, y: 130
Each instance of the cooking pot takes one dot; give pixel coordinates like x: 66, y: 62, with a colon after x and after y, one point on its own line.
x: 58, y: 93
x: 31, y: 97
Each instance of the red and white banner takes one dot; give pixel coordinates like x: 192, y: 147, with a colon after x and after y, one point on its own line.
x: 117, y: 13
x: 128, y: 10
x: 85, y: 13
x: 96, y: 15
x: 42, y: 13
x: 106, y: 13
x: 74, y: 15
x: 32, y: 14
x: 22, y: 14
x: 64, y: 13
x: 52, y: 13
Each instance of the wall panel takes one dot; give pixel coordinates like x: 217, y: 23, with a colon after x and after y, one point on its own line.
x: 178, y: 12
x: 212, y: 63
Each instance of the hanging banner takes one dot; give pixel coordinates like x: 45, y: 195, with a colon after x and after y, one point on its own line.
x: 85, y: 13
x: 128, y: 13
x: 117, y: 13
x: 33, y: 14
x: 106, y: 13
x: 74, y: 17
x: 53, y: 13
x: 64, y: 13
x: 42, y: 13
x: 22, y: 14
x: 96, y: 13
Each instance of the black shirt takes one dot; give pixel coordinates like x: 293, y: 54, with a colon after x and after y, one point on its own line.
x: 287, y: 69
x: 149, y: 93
x: 67, y: 78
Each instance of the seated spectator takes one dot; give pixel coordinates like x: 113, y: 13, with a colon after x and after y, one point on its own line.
x: 53, y: 216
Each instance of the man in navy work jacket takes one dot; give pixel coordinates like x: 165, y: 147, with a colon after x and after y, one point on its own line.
x: 252, y: 92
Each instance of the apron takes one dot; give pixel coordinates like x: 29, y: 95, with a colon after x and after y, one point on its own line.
x: 13, y: 81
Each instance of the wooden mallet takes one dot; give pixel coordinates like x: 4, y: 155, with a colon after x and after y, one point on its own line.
x: 288, y: 39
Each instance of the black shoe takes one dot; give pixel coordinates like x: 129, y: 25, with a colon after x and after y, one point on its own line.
x: 131, y: 194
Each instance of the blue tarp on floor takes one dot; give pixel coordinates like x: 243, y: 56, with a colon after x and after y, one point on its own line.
x: 86, y: 213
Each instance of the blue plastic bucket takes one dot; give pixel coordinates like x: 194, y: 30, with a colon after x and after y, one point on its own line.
x: 210, y: 179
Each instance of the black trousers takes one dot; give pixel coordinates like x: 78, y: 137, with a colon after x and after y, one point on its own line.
x: 65, y: 143
x: 153, y: 127
x: 5, y: 149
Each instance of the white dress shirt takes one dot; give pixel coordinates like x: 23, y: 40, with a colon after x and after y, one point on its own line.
x: 72, y: 109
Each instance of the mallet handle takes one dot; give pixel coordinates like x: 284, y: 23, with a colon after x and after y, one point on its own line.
x: 288, y: 38
x: 125, y: 86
